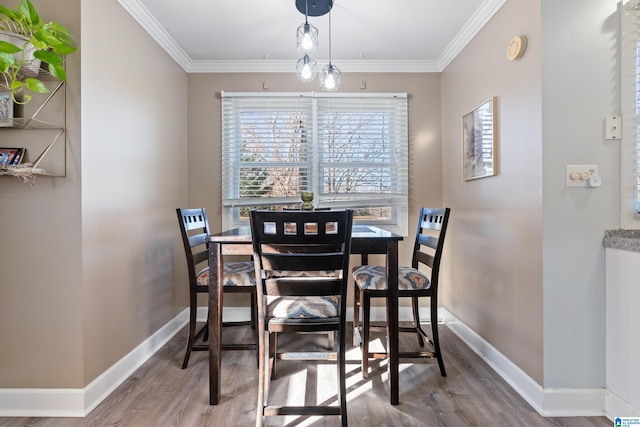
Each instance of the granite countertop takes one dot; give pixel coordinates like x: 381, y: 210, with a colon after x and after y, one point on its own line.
x: 628, y: 240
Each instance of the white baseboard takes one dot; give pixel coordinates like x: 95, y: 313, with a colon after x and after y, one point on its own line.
x: 36, y: 402
x: 618, y: 407
x: 79, y: 402
x: 105, y: 384
x: 547, y: 402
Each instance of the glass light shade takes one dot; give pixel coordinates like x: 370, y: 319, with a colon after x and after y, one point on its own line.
x: 306, y: 68
x: 307, y: 37
x: 330, y: 78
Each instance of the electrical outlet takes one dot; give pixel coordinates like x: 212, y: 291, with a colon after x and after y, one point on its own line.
x: 578, y: 175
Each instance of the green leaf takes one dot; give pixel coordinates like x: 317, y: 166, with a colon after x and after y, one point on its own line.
x: 66, y: 39
x: 58, y: 72
x: 7, y: 47
x: 35, y: 85
x: 16, y: 85
x: 48, y: 57
x: 47, y: 37
x: 57, y: 28
x: 64, y: 49
x: 11, y: 14
x: 39, y: 44
x: 29, y: 12
x: 7, y: 58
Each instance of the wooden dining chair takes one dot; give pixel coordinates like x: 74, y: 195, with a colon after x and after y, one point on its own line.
x: 413, y: 282
x: 302, y: 265
x: 238, y: 277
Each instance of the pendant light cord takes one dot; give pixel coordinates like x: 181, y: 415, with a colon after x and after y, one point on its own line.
x: 329, y: 37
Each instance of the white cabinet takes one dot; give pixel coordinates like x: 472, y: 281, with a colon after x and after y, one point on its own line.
x: 623, y: 332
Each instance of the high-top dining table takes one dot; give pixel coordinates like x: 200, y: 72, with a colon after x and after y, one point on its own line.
x: 365, y: 239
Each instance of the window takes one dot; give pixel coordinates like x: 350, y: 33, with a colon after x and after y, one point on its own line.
x: 630, y: 111
x: 350, y: 150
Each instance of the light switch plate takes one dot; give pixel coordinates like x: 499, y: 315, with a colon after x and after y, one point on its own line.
x: 578, y: 175
x: 613, y: 127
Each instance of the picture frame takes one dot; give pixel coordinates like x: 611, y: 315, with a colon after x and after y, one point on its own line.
x: 479, y: 141
x: 6, y: 110
x: 11, y: 156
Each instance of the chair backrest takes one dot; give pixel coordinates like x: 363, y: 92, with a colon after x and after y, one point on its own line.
x: 194, y: 229
x: 312, y: 247
x: 430, y: 234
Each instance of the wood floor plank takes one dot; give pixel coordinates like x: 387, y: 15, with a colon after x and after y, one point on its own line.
x: 161, y: 394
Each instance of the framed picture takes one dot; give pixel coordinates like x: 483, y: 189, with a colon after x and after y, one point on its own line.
x: 6, y: 110
x: 479, y: 141
x: 11, y: 156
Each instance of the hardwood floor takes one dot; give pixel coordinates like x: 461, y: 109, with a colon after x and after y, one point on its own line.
x: 162, y: 394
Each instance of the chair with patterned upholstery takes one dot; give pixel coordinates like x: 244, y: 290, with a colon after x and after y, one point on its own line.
x: 302, y: 265
x: 238, y: 277
x: 370, y: 282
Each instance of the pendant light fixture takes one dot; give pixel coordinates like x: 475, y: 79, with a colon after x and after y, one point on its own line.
x: 306, y: 69
x: 307, y: 34
x: 330, y: 77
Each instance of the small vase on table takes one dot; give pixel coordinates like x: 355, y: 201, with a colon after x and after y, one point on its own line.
x: 307, y: 198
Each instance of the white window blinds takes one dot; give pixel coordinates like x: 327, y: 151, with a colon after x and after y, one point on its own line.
x: 630, y: 109
x: 349, y: 149
x: 637, y: 113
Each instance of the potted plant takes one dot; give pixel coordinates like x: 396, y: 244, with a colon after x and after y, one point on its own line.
x: 26, y: 41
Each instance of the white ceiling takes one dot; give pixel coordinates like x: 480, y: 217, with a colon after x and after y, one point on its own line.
x: 259, y: 35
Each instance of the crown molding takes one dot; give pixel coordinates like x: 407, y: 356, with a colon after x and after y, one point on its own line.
x: 155, y: 30
x: 468, y: 32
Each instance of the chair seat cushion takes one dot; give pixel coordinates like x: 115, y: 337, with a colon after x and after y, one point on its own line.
x: 374, y: 278
x: 234, y: 274
x: 302, y: 307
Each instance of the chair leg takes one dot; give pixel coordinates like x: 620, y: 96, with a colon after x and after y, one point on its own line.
x: 331, y: 340
x: 416, y: 320
x: 253, y: 309
x: 192, y: 334
x: 273, y: 345
x: 357, y: 302
x: 434, y: 336
x: 254, y: 326
x: 356, y: 314
x: 262, y: 373
x: 342, y: 376
x: 366, y: 311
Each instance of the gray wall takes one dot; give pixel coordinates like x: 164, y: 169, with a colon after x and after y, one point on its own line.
x: 89, y: 260
x: 493, y: 279
x: 41, y: 250
x: 579, y: 88
x: 134, y: 175
x: 528, y: 270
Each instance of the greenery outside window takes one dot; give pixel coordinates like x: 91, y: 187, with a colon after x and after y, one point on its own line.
x: 350, y: 150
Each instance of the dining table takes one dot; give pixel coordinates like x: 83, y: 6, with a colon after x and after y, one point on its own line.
x: 365, y: 239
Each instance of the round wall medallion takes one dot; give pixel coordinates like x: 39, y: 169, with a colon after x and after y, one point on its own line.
x: 516, y: 47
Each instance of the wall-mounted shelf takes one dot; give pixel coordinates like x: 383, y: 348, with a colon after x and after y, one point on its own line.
x: 47, y: 130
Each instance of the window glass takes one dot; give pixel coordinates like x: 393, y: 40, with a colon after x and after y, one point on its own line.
x: 350, y: 150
